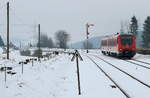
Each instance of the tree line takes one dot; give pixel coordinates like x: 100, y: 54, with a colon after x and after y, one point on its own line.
x: 62, y: 37
x: 134, y: 29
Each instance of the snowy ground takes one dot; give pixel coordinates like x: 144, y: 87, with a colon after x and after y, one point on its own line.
x: 57, y: 78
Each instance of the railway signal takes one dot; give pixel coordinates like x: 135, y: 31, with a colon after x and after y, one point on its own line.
x: 77, y: 56
x: 87, y: 33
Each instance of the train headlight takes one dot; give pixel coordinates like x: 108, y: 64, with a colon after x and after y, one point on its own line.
x: 133, y: 48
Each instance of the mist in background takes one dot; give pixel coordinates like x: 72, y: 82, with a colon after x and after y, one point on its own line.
x: 68, y: 15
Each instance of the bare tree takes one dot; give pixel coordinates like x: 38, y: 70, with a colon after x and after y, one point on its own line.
x: 127, y: 26
x: 46, y: 41
x: 50, y: 43
x: 122, y: 27
x: 62, y: 38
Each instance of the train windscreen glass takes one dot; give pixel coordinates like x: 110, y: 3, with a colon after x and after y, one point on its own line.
x: 126, y: 40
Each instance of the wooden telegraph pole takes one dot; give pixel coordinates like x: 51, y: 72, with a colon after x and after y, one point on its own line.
x: 39, y: 46
x: 7, y: 30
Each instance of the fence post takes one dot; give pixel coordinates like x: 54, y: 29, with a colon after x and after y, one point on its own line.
x: 32, y: 62
x: 22, y: 67
x: 5, y: 73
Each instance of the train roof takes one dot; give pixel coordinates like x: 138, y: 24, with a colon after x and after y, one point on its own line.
x: 126, y: 34
x: 116, y: 35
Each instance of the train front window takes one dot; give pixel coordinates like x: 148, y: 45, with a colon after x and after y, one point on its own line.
x: 126, y: 40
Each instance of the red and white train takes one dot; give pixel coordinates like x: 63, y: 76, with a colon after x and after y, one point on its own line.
x: 120, y: 45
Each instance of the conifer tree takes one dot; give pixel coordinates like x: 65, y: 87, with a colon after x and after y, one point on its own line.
x: 134, y: 26
x: 1, y: 42
x: 146, y: 33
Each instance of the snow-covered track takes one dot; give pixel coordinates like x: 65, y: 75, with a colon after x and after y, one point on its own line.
x: 133, y: 61
x: 143, y: 83
x: 141, y: 61
x: 137, y: 64
x: 116, y: 84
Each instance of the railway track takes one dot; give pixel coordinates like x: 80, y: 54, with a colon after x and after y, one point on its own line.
x: 116, y: 84
x: 137, y: 64
x: 141, y: 61
x: 133, y: 77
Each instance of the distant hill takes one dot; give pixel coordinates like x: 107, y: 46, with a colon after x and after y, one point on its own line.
x: 95, y: 41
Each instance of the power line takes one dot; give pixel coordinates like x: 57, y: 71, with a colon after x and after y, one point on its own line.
x: 11, y: 11
x: 22, y: 23
x: 18, y: 18
x: 2, y: 6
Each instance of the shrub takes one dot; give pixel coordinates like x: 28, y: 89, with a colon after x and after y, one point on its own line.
x: 37, y: 53
x: 25, y: 52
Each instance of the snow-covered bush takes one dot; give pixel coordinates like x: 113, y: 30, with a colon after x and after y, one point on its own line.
x: 25, y: 52
x: 37, y: 53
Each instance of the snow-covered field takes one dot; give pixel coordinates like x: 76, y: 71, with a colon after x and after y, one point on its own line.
x: 57, y: 77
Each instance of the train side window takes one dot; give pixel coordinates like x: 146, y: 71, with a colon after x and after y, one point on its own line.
x: 115, y: 42
x: 112, y: 42
x: 108, y: 42
x: 104, y: 43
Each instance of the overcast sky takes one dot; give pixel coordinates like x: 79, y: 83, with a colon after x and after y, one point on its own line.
x: 70, y: 15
